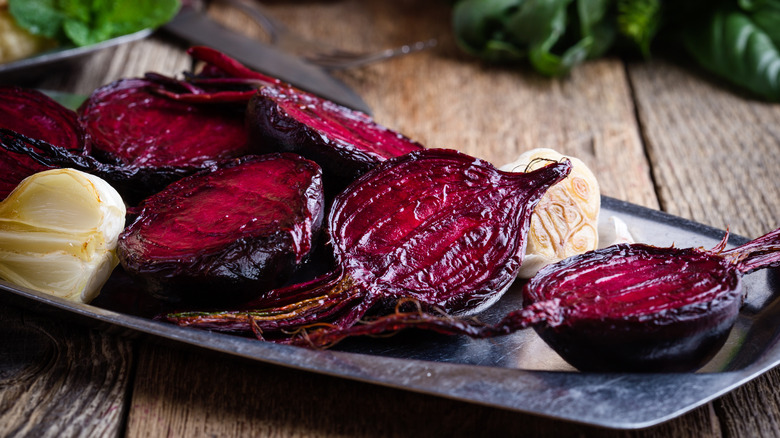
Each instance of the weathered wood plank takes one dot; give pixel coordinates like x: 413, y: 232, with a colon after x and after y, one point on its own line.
x: 57, y: 379
x: 715, y: 156
x: 199, y: 393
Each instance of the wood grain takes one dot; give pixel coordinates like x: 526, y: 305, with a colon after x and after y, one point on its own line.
x: 57, y: 379
x: 199, y: 393
x: 655, y: 134
x: 715, y: 154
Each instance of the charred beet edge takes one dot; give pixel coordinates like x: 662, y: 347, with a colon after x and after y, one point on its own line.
x: 133, y: 183
x: 127, y: 123
x: 282, y: 118
x: 639, y: 308
x: 625, y: 308
x: 31, y: 113
x: 345, y: 142
x: 224, y: 236
x: 440, y: 227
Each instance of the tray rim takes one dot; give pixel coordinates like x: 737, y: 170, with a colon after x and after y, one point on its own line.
x: 66, y: 53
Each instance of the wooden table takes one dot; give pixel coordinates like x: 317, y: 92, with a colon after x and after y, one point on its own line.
x: 655, y: 134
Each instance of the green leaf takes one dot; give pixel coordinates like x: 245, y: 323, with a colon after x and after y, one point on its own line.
x: 39, y: 17
x: 84, y: 22
x: 639, y: 21
x: 766, y: 15
x: 732, y: 46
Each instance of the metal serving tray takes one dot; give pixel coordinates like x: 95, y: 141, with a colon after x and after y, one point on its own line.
x: 41, y: 64
x: 517, y: 372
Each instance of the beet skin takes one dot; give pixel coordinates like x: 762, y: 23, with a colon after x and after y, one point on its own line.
x: 227, y: 235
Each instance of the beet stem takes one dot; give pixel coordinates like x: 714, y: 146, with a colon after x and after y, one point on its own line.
x: 763, y: 252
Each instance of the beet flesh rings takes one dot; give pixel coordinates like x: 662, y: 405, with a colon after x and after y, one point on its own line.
x: 344, y: 142
x: 227, y: 235
x: 127, y: 123
x: 638, y: 307
x: 437, y: 226
x: 34, y: 115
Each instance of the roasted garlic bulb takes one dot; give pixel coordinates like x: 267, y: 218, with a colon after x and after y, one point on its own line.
x: 565, y: 222
x: 58, y: 233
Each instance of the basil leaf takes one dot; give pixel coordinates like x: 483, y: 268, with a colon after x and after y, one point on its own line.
x: 732, y: 46
x: 39, y: 17
x: 84, y: 22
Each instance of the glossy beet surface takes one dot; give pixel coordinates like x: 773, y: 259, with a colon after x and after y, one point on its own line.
x: 625, y: 308
x: 223, y: 236
x: 639, y: 308
x: 128, y: 123
x: 32, y: 114
x: 437, y: 226
x: 345, y: 142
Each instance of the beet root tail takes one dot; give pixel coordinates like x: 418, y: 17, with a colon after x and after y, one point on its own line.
x: 760, y: 253
x: 539, y: 313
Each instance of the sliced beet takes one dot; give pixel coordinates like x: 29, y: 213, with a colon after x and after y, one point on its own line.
x: 437, y: 226
x: 624, y: 308
x: 32, y: 114
x: 36, y: 115
x: 226, y: 235
x: 133, y: 183
x: 282, y: 118
x: 128, y: 123
x: 346, y: 143
x: 639, y: 308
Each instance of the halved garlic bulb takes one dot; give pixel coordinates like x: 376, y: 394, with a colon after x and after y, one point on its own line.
x: 58, y: 233
x: 565, y: 222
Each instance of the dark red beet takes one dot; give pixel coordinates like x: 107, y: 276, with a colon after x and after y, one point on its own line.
x: 33, y: 114
x: 127, y: 123
x: 345, y: 142
x: 639, y: 308
x: 133, y: 183
x: 223, y: 236
x: 438, y: 226
x: 634, y: 308
x: 282, y: 118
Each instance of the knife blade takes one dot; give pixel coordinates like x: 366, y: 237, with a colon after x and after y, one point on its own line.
x: 197, y: 28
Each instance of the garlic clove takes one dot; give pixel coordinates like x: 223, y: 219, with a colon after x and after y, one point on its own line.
x: 58, y: 233
x: 565, y: 222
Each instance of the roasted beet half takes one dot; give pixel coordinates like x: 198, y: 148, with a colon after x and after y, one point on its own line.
x: 32, y: 114
x: 283, y: 118
x: 639, y: 308
x: 436, y: 226
x: 624, y: 308
x: 133, y: 183
x: 346, y: 143
x: 226, y: 235
x: 128, y: 123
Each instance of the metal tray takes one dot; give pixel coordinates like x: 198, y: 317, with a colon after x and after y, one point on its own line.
x: 33, y: 67
x: 517, y: 372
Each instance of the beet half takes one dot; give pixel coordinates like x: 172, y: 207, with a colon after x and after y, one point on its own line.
x: 346, y: 143
x: 438, y: 226
x: 222, y: 236
x: 127, y: 123
x: 624, y: 308
x: 283, y: 118
x: 32, y: 114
